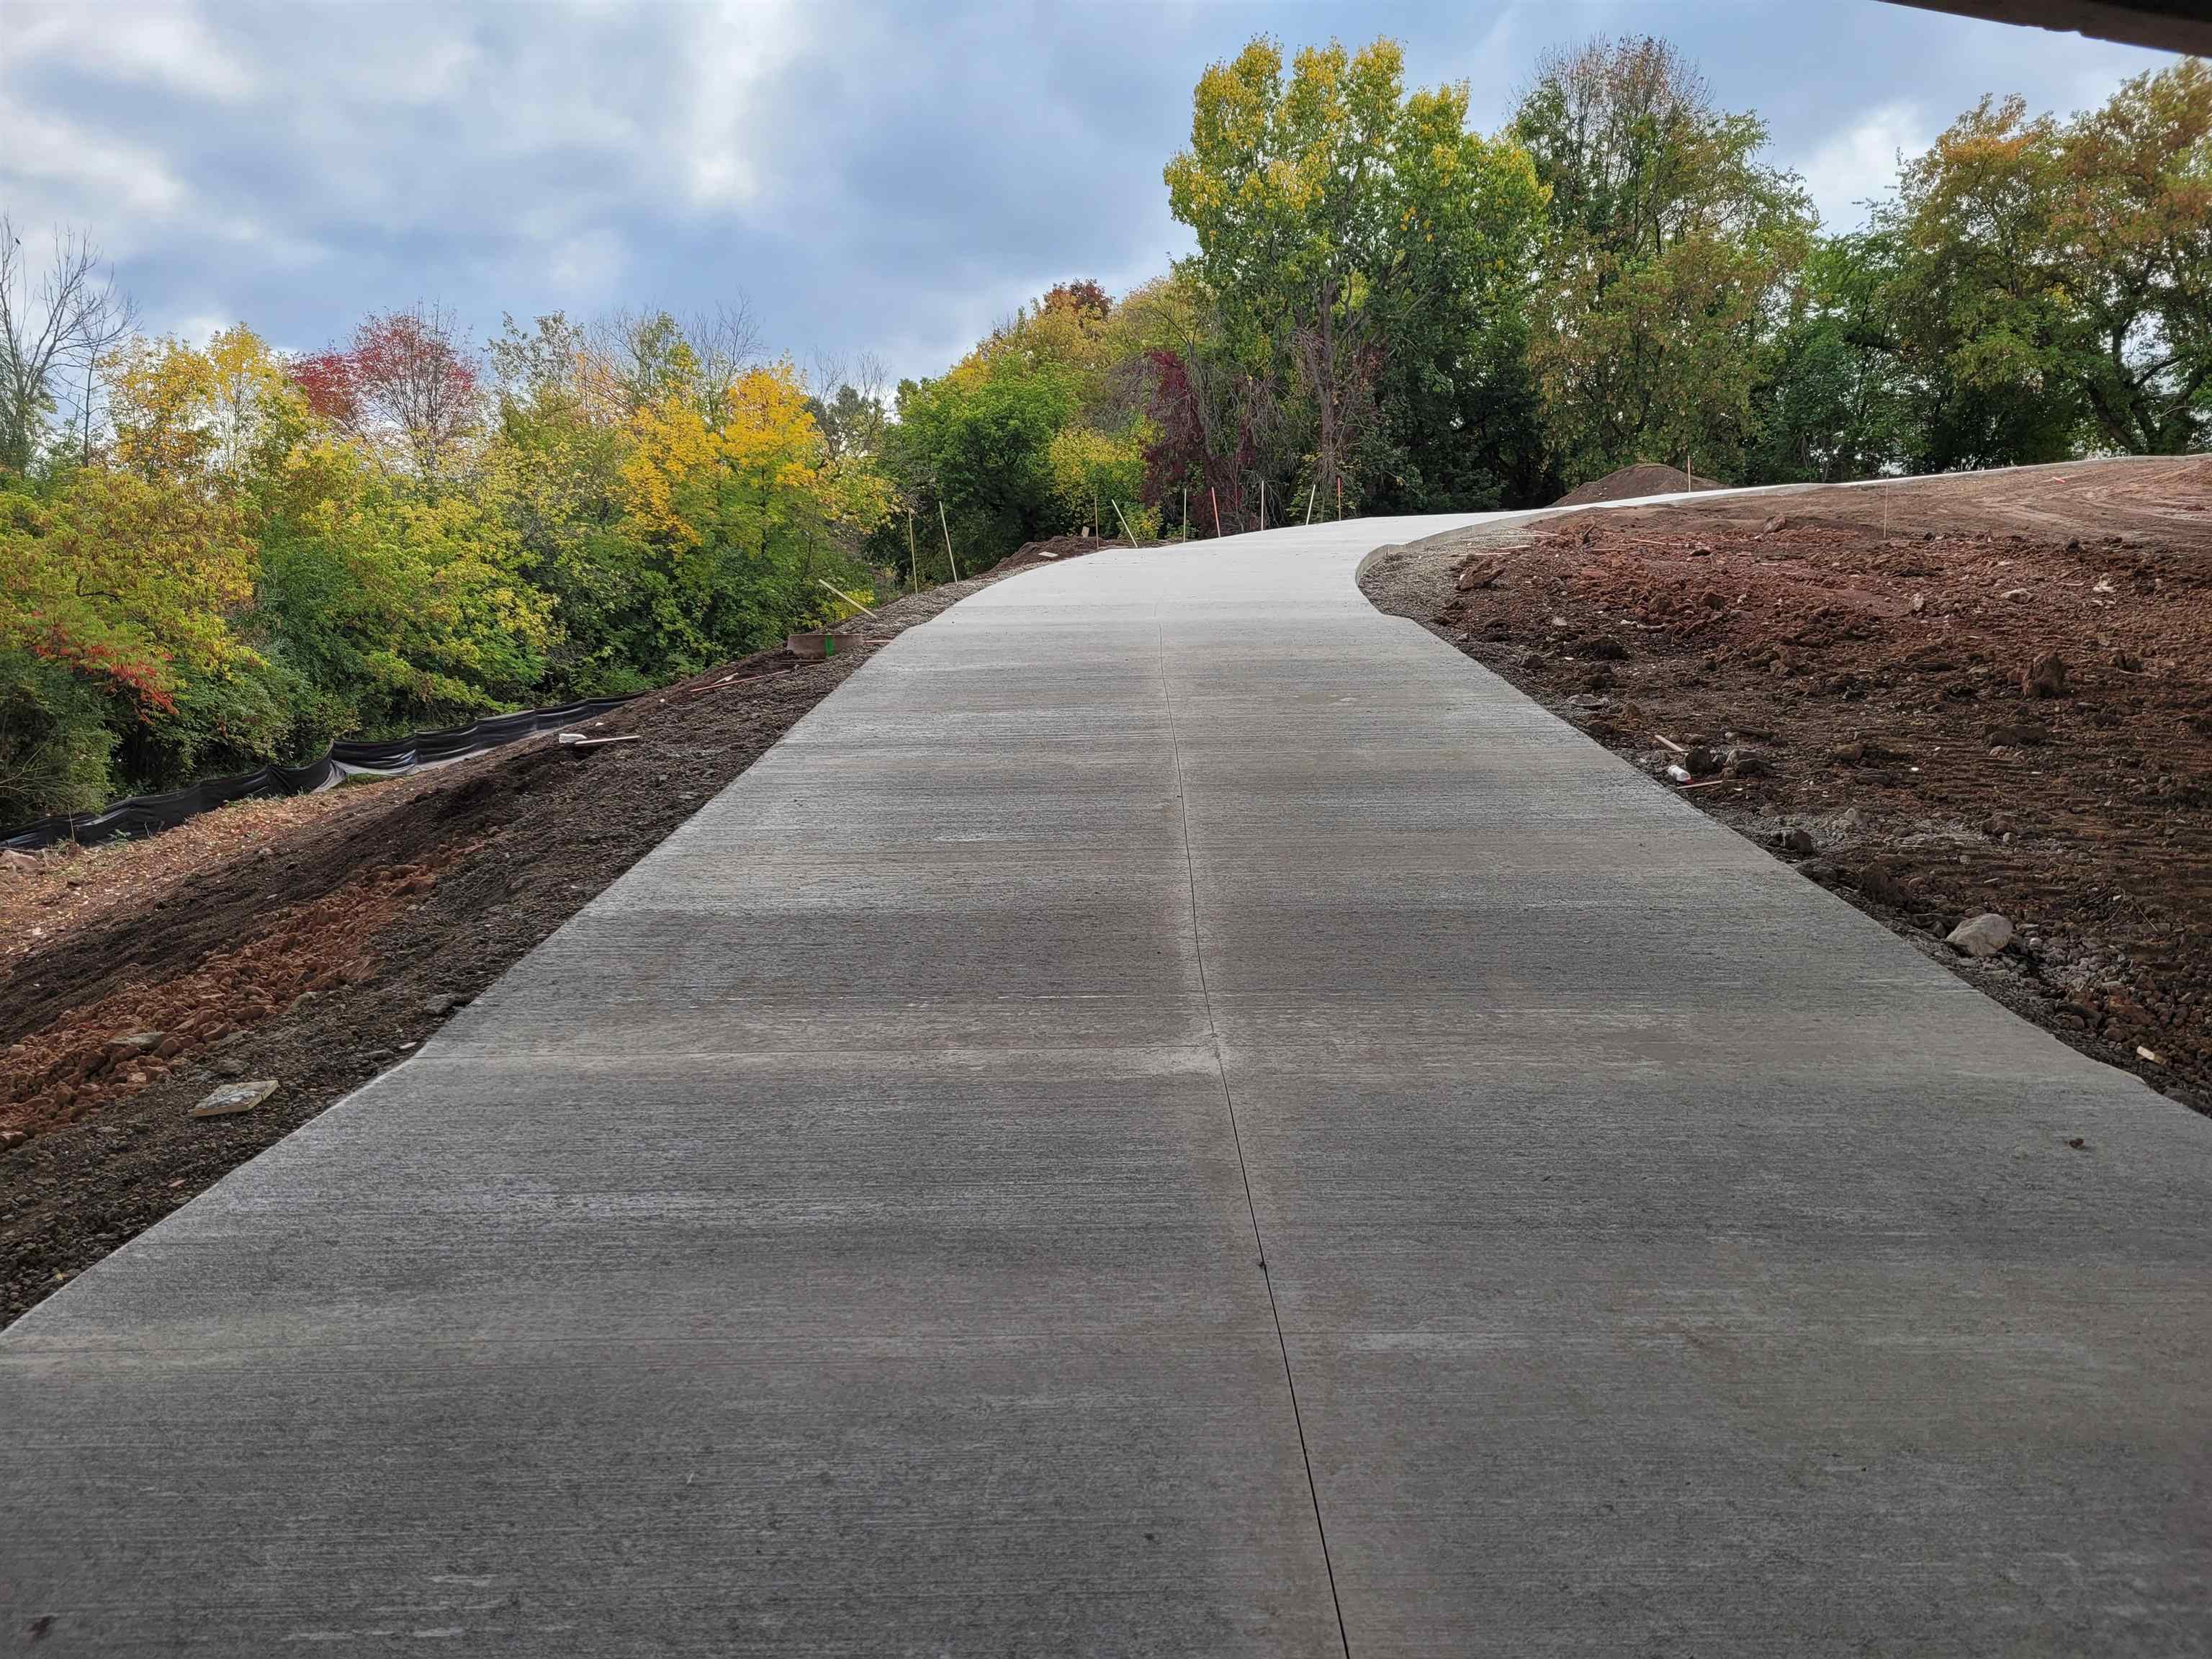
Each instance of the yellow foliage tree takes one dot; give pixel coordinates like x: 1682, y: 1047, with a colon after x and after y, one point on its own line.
x: 184, y: 414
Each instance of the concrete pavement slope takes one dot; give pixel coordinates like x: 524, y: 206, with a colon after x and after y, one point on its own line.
x: 1173, y: 1114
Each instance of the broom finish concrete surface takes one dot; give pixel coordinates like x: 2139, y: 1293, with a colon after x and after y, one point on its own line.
x: 1172, y: 1115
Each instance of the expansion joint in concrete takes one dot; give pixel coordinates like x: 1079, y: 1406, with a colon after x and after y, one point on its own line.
x: 1236, y: 1139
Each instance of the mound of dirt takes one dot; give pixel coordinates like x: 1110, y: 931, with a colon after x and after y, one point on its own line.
x: 317, y: 941
x: 1644, y: 479
x: 1939, y: 698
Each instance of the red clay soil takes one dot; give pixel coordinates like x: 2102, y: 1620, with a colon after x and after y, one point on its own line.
x: 317, y: 942
x: 1630, y: 482
x: 45, y: 897
x: 1940, y: 698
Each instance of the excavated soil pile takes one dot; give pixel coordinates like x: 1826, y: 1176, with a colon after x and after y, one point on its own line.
x: 1632, y: 481
x: 1940, y: 698
x: 317, y: 941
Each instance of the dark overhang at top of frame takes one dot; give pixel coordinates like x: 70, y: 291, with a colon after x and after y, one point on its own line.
x: 2173, y: 25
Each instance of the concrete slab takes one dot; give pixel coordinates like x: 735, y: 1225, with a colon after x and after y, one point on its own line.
x: 846, y: 1234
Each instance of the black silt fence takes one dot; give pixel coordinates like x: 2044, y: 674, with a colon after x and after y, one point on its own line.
x: 145, y: 814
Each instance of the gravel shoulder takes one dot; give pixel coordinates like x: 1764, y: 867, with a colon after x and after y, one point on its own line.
x: 1941, y: 698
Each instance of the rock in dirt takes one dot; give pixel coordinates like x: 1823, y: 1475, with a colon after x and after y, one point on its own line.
x: 1480, y: 572
x: 2044, y: 677
x: 2021, y: 734
x: 231, y: 1068
x: 1748, y: 763
x: 1702, y: 762
x: 1798, y: 840
x: 1881, y: 884
x: 439, y: 1005
x: 1867, y: 751
x: 234, y: 1097
x: 131, y: 1044
x: 1985, y: 935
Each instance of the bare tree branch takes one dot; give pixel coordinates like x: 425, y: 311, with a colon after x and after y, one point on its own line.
x: 52, y: 337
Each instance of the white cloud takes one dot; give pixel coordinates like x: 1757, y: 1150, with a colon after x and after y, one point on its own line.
x: 161, y: 45
x: 734, y: 52
x: 198, y: 332
x: 1859, y: 164
x: 586, y: 269
x: 280, y: 251
x: 47, y: 158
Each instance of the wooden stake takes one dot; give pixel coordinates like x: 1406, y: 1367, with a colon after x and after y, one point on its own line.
x: 913, y: 559
x: 843, y: 595
x: 1124, y: 517
x: 947, y: 528
x: 1216, y: 494
x: 1310, y: 494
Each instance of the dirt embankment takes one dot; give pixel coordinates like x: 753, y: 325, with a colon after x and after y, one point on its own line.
x: 1632, y: 481
x: 317, y: 941
x: 1940, y: 697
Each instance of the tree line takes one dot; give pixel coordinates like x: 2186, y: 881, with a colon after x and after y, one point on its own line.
x: 211, y: 555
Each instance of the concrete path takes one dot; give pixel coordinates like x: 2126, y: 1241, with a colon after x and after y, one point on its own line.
x: 1174, y: 1115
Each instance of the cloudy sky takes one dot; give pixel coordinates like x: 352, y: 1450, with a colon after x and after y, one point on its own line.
x: 885, y: 179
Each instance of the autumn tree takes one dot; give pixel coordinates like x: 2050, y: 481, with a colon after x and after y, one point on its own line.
x: 742, y: 510
x: 181, y: 412
x: 133, y: 588
x: 403, y: 386
x: 2054, y: 278
x: 2133, y: 231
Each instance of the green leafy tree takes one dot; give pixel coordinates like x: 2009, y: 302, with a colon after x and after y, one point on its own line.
x: 1350, y: 233
x: 1833, y: 400
x: 1672, y: 248
x: 1980, y: 324
x: 400, y: 606
x: 1094, y: 474
x: 2132, y: 246
x: 977, y: 441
